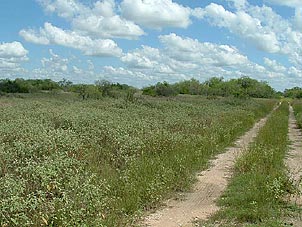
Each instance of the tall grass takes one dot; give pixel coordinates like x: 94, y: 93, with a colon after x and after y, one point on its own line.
x: 255, y: 195
x: 65, y: 162
x: 297, y: 106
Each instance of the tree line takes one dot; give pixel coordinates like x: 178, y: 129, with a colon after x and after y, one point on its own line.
x: 101, y: 88
x: 215, y: 86
x: 27, y: 86
x: 295, y: 92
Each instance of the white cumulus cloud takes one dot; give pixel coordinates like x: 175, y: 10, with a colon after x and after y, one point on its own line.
x: 156, y: 13
x: 12, y: 55
x: 274, y: 65
x: 244, y: 25
x: 12, y: 50
x: 54, y: 35
x: 187, y: 49
x: 98, y: 20
x: 107, y: 27
x: 64, y: 8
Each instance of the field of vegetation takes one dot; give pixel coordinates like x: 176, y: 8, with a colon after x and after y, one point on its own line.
x: 71, y: 162
x: 256, y: 194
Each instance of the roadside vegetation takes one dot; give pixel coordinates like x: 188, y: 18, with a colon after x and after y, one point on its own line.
x: 256, y: 195
x: 297, y: 106
x: 65, y: 161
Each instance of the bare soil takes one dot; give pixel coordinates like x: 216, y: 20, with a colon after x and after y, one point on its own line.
x: 200, y: 203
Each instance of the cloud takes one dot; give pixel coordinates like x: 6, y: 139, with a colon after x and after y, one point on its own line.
x: 295, y: 72
x: 90, y: 65
x: 92, y: 25
x: 30, y: 35
x: 289, y: 3
x: 239, y: 4
x: 55, y: 63
x: 12, y: 55
x: 57, y: 67
x: 289, y: 39
x: 187, y: 49
x: 64, y: 8
x: 244, y: 25
x: 182, y: 58
x: 107, y: 27
x: 274, y: 65
x: 152, y: 62
x: 105, y: 8
x: 12, y: 50
x: 127, y: 76
x: 186, y: 56
x: 53, y: 67
x: 298, y: 18
x: 147, y: 58
x: 54, y: 35
x: 156, y: 14
x: 99, y: 20
x: 260, y: 26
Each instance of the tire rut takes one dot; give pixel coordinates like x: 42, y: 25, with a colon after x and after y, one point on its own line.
x: 293, y: 162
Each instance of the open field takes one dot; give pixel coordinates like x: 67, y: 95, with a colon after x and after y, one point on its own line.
x: 66, y: 162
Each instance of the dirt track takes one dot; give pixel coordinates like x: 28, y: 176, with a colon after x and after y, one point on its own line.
x: 294, y: 162
x: 200, y: 204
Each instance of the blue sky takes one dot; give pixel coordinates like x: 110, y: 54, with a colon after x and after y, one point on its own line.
x: 141, y: 42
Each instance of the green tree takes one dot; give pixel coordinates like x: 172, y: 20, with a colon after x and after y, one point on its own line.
x: 65, y: 84
x: 104, y: 86
x: 295, y: 92
x: 164, y: 89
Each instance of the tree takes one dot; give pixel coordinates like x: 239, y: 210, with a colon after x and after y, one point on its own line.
x: 164, y: 89
x: 192, y: 87
x: 65, y: 84
x: 241, y: 88
x: 104, y: 86
x: 214, y: 86
x: 295, y: 92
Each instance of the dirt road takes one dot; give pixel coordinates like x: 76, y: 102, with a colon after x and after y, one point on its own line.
x: 294, y: 159
x: 200, y: 204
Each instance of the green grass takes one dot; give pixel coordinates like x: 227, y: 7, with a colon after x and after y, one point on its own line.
x: 297, y: 106
x: 255, y: 195
x: 65, y: 162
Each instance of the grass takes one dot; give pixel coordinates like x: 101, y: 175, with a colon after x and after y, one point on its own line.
x: 255, y: 195
x: 65, y: 162
x: 297, y: 106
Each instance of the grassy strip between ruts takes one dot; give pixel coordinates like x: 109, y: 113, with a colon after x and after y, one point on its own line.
x: 255, y: 195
